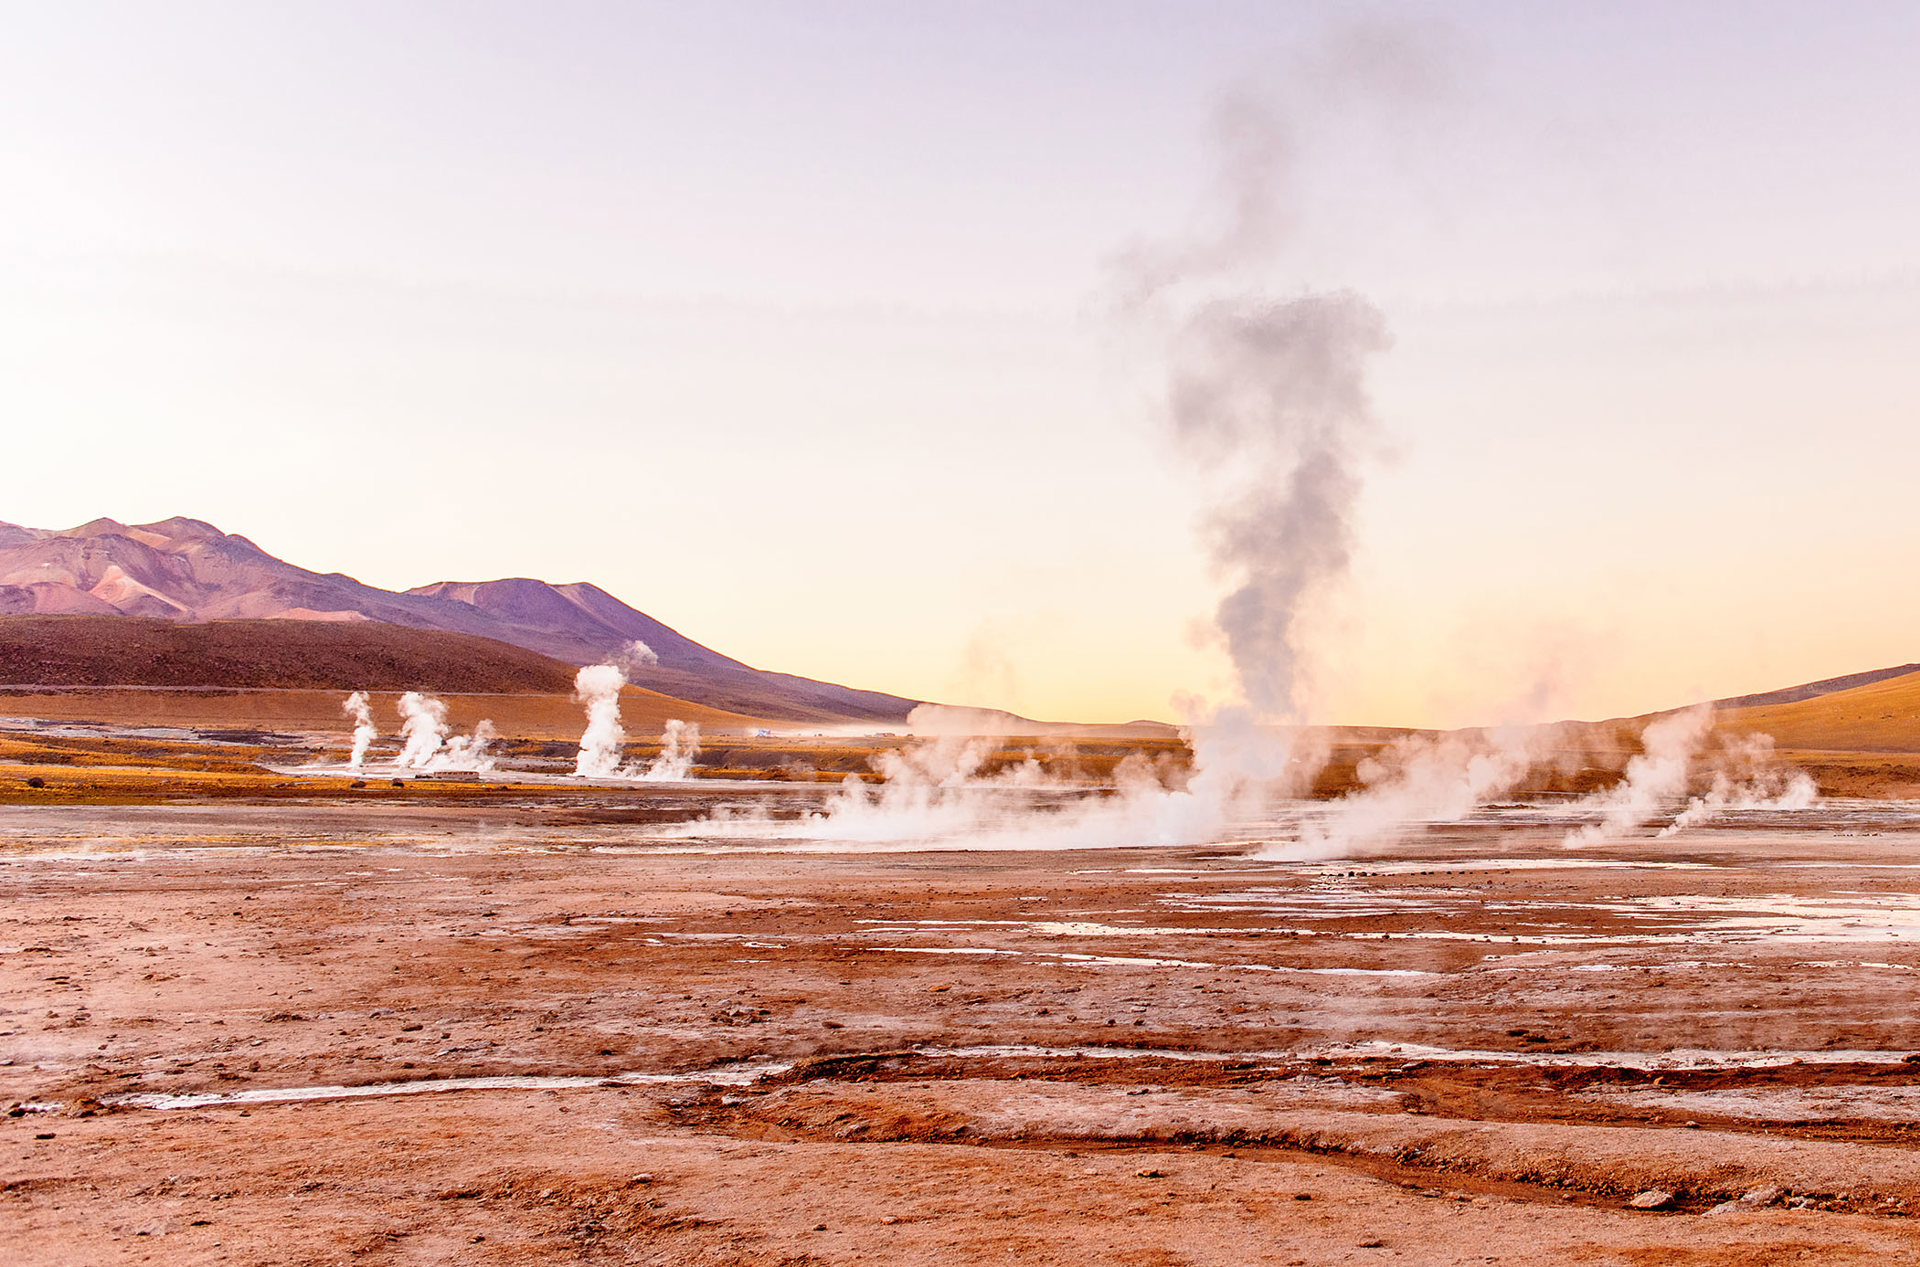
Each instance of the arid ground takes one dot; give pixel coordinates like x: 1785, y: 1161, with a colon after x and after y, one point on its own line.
x: 506, y: 1027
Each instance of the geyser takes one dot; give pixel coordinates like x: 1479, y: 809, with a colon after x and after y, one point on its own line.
x: 423, y: 726
x: 679, y: 745
x: 365, y: 732
x: 598, y: 687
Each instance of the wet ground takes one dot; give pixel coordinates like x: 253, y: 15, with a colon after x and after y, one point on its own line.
x: 512, y: 1033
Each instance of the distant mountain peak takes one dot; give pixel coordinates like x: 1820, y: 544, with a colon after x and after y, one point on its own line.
x: 184, y: 569
x: 96, y: 528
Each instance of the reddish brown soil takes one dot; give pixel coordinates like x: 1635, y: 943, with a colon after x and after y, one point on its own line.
x: 1176, y: 1050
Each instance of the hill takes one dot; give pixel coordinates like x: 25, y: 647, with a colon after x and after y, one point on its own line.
x: 1813, y: 690
x: 144, y: 651
x: 1881, y: 716
x: 186, y: 570
x: 582, y: 623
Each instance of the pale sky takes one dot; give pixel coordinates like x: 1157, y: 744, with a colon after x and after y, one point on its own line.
x: 785, y: 323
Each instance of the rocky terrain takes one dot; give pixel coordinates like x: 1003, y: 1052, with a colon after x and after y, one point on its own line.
x: 516, y: 1032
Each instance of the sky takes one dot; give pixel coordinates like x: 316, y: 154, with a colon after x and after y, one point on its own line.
x: 793, y: 325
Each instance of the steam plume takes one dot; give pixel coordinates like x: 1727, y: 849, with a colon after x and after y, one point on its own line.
x: 679, y: 745
x: 1655, y: 777
x: 1437, y: 778
x: 598, y: 687
x: 1745, y: 775
x: 635, y: 655
x: 364, y: 731
x: 1266, y: 395
x: 1269, y: 396
x: 469, y: 752
x: 423, y: 725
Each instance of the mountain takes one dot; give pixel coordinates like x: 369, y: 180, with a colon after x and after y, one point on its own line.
x: 42, y: 650
x: 582, y: 623
x: 187, y: 570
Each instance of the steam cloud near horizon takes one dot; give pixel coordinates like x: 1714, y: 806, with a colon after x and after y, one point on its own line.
x: 1744, y: 772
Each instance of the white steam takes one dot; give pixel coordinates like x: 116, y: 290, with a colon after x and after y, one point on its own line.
x: 1267, y: 397
x: 1745, y: 775
x: 601, y: 747
x: 1655, y: 777
x: 423, y: 727
x: 1429, y: 778
x: 938, y: 790
x: 429, y: 741
x: 469, y: 752
x: 679, y: 745
x: 598, y: 687
x: 635, y: 655
x: 365, y: 732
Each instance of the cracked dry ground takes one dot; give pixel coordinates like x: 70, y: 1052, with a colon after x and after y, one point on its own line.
x: 1148, y: 1056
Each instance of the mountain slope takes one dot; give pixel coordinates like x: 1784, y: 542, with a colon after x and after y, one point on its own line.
x: 1881, y: 716
x: 187, y: 570
x: 583, y: 623
x: 278, y: 654
x: 1813, y: 690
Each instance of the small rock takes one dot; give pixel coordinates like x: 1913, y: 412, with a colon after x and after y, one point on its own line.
x: 641, y: 1179
x: 1763, y: 1196
x: 1651, y: 1199
x: 1728, y: 1207
x: 1303, y: 1196
x: 888, y: 1219
x: 819, y: 1227
x: 1149, y: 1174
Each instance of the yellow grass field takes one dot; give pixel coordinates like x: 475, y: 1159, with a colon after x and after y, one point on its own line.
x: 1880, y: 717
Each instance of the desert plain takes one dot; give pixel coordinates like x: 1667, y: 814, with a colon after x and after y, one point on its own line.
x: 250, y: 1018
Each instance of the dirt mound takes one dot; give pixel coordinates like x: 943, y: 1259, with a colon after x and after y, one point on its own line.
x: 130, y: 651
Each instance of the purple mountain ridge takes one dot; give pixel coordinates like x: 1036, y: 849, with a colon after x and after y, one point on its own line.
x: 188, y: 570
